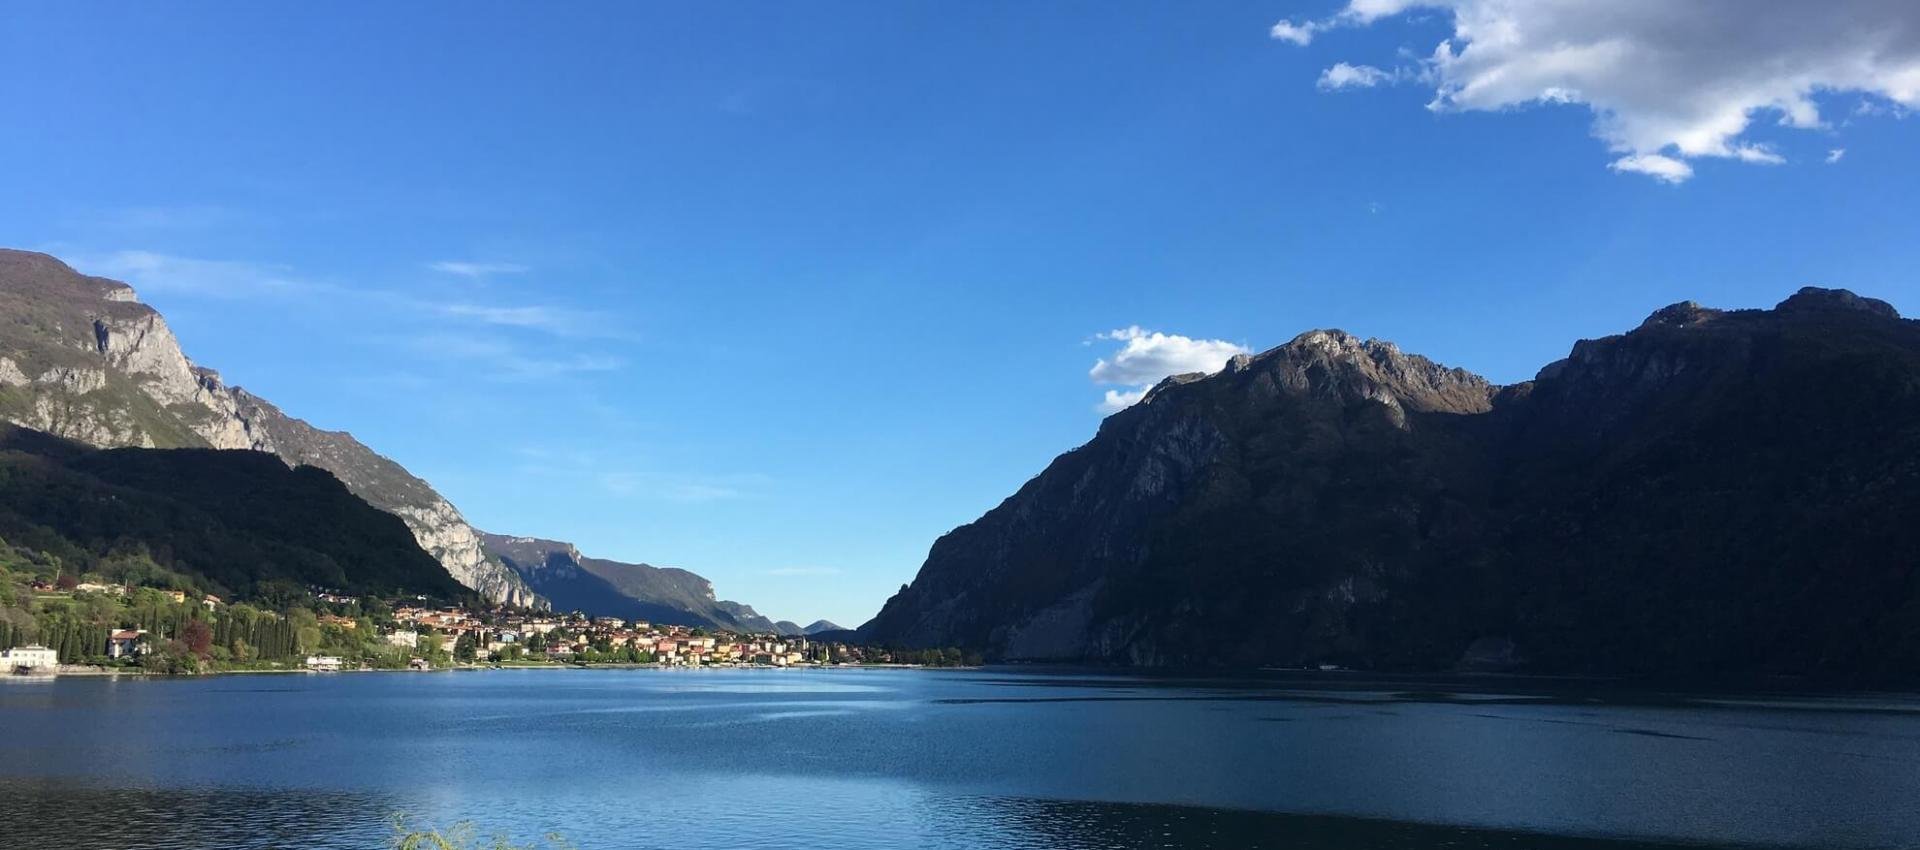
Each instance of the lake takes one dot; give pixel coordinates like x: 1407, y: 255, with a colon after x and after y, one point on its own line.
x: 990, y: 758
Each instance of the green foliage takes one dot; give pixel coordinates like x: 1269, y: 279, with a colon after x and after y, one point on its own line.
x: 170, y: 661
x: 429, y: 646
x: 466, y: 648
x: 235, y: 523
x: 75, y: 639
x: 943, y: 657
x: 464, y: 836
x: 251, y: 635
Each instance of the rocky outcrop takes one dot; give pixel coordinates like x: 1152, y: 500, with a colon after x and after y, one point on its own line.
x: 10, y: 374
x: 1724, y: 491
x: 573, y: 582
x: 111, y: 373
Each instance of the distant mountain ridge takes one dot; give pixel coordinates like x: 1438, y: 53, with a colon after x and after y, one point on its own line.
x: 81, y: 358
x: 573, y: 582
x: 1712, y: 492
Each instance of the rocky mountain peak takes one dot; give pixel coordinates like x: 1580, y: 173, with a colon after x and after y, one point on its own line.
x: 1334, y: 363
x: 90, y: 363
x: 1813, y: 299
x: 1712, y: 491
x: 1680, y: 315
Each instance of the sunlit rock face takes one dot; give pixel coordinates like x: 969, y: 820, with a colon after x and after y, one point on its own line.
x: 82, y: 358
x: 1715, y: 490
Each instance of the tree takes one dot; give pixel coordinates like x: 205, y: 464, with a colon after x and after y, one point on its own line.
x: 197, y: 636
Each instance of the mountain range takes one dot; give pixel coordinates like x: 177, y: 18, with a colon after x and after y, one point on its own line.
x: 1714, y: 491
x: 82, y: 359
x: 574, y: 582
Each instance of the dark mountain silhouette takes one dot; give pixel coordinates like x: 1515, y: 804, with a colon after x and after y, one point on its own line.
x: 232, y: 522
x: 1714, y: 491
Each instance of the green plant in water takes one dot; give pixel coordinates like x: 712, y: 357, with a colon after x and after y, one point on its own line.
x: 464, y: 836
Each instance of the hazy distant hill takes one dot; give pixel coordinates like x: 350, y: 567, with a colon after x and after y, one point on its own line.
x: 1715, y: 491
x: 573, y: 582
x: 81, y: 358
x: 237, y: 523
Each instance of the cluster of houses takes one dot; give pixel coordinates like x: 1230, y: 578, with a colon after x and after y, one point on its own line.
x: 565, y: 637
x: 494, y: 635
x: 207, y: 599
x: 121, y: 643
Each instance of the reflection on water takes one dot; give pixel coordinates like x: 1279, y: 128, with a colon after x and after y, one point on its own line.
x: 60, y: 815
x: 1051, y: 823
x: 880, y: 759
x: 73, y: 817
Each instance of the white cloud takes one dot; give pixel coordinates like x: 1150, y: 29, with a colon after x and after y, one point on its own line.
x: 1759, y: 154
x: 1836, y: 155
x: 1667, y: 81
x: 1118, y: 400
x: 554, y: 320
x: 465, y: 268
x: 607, y: 466
x: 671, y: 488
x: 1345, y: 76
x: 1301, y: 34
x: 501, y: 360
x: 156, y: 272
x: 1148, y: 356
x: 1662, y: 167
x: 177, y: 217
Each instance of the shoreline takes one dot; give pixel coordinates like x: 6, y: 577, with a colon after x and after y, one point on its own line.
x: 104, y: 673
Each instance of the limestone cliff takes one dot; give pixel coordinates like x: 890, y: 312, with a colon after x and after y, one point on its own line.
x: 82, y: 358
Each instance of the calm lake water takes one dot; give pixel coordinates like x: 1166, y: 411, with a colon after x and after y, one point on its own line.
x: 948, y: 759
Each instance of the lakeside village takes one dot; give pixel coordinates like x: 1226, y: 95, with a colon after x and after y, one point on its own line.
x: 88, y: 627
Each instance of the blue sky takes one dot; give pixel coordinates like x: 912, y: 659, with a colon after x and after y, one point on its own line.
x: 779, y: 293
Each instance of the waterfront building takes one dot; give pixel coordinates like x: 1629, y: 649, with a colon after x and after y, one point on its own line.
x: 30, y: 658
x: 124, y: 643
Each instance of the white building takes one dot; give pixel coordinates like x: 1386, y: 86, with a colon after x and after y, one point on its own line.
x: 324, y: 663
x: 124, y: 643
x: 30, y: 657
x: 406, y: 639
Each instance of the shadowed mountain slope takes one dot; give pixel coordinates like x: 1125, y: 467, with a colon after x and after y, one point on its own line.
x: 573, y: 582
x: 81, y: 358
x: 232, y: 522
x: 1714, y: 491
